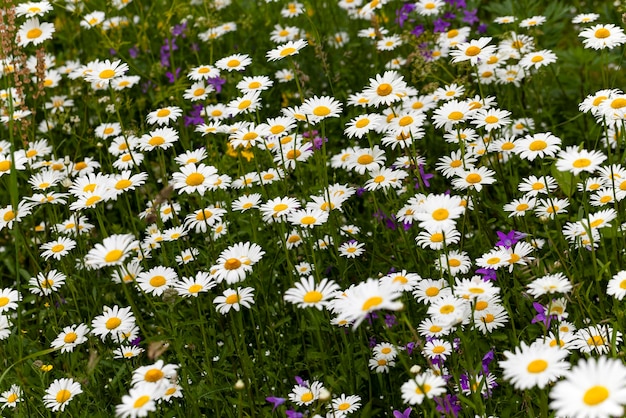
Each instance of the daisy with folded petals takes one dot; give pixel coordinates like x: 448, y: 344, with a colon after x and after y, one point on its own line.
x: 285, y: 50
x: 320, y: 108
x: 164, y: 115
x: 490, y: 119
x: 538, y: 145
x: 549, y: 284
x: 538, y: 59
x: 576, y: 161
x: 156, y: 280
x: 358, y: 301
x: 450, y: 114
x: 112, y: 252
x: 592, y: 388
x: 473, y: 51
x: 34, y: 32
x: 424, y: 385
x: 60, y: 393
x: 307, y: 218
x: 8, y: 299
x: 536, y: 365
x: 603, y: 36
x: 192, y: 178
x: 113, y: 321
x: 11, y: 397
x: 45, y: 284
x: 163, y: 138
x: 439, y: 211
x: 386, y: 89
x: 551, y: 207
x: 203, y: 72
x: 474, y: 179
x: 193, y: 286
x: 363, y: 124
x: 57, y: 248
x: 33, y: 8
x: 351, y: 249
x: 235, y: 62
x: 234, y: 299
x: 105, y: 71
x: 308, y: 294
x: 235, y: 262
x: 259, y: 82
x: 198, y: 91
x: 366, y: 159
x: 585, y: 18
x: 140, y: 401
x: 70, y: 337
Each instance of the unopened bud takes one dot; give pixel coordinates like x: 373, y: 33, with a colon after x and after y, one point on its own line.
x: 415, y: 369
x: 324, y: 395
x: 239, y: 385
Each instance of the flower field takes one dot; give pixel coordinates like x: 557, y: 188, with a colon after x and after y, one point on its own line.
x: 325, y: 208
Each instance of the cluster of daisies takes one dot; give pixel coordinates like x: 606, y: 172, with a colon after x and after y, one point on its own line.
x: 381, y: 159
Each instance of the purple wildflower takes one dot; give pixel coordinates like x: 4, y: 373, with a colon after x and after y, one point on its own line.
x: 470, y: 16
x: 405, y: 414
x: 509, y: 239
x: 194, y: 117
x: 275, y: 401
x: 133, y: 52
x: 425, y: 176
x: 489, y: 275
x: 541, y: 315
x: 487, y: 359
x: 402, y: 14
x: 390, y: 320
x: 217, y: 83
x: 448, y: 405
x: 293, y: 414
x: 179, y: 30
x: 482, y: 28
x: 440, y: 25
x: 172, y: 77
x: 418, y: 31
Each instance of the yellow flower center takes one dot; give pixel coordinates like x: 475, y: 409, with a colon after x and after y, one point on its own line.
x: 108, y: 73
x: 454, y: 262
x: 481, y: 305
x: 293, y: 154
x: 456, y: 115
x: 9, y: 216
x: 112, y: 323
x: 384, y: 89
x: 618, y: 103
x: 491, y: 119
x: 446, y: 309
x: 12, y: 398
x: 452, y: 33
x: 233, y: 63
x: 92, y: 201
x: 595, y: 395
x: 153, y: 375
x: 472, y: 51
x: 308, y: 220
x: 70, y: 337
x: 306, y: 397
x: 34, y: 33
x: 141, y: 401
x: 199, y: 91
x: 123, y: 184
x: 232, y: 299
x: 537, y: 366
x: 232, y: 264
x: 287, y: 51
x: 157, y: 281
x: 244, y: 104
x: 155, y: 141
x: 602, y: 33
x: 321, y: 111
x: 473, y: 178
x: 312, y: 296
x: 365, y: 159
x: 4, y: 301
x: 63, y: 396
x: 440, y: 214
x: 194, y: 179
x: 113, y: 256
x: 538, y: 145
x: 423, y: 389
x: 371, y: 303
